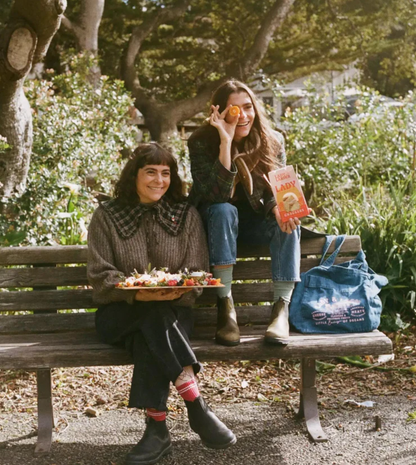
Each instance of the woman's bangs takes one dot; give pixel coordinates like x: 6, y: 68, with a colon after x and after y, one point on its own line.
x: 157, y: 156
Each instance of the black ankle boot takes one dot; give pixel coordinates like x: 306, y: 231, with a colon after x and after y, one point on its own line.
x: 154, y: 444
x: 212, y: 431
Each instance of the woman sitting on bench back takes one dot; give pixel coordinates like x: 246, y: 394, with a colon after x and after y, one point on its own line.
x: 230, y: 156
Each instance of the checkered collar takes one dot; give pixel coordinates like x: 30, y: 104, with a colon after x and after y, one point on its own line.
x: 127, y: 219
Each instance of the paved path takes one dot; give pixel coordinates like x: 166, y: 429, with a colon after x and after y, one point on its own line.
x: 267, y: 434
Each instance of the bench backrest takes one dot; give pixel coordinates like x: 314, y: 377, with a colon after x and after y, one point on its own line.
x: 46, y: 279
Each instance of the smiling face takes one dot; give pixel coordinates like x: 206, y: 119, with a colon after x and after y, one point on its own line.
x: 247, y: 114
x: 152, y: 182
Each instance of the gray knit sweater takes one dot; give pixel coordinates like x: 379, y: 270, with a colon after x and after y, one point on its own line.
x: 110, y: 256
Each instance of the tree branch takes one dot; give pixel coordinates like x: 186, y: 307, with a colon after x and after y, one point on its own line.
x: 272, y: 21
x: 139, y: 34
x: 67, y: 24
x: 44, y: 16
x: 85, y: 30
x: 241, y: 69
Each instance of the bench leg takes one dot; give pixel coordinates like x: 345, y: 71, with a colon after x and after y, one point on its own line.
x: 45, y: 412
x: 308, y: 407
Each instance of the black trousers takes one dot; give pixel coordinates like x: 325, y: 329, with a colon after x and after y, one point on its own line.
x: 157, y: 336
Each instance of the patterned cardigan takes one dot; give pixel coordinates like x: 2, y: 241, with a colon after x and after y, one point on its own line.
x: 213, y: 183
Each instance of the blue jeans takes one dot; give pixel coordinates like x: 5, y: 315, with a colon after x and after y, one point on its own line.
x: 225, y: 225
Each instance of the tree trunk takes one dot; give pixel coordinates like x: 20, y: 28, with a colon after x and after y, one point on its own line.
x: 23, y: 42
x: 162, y: 119
x: 85, y: 31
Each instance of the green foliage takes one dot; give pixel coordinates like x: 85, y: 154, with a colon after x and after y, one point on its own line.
x: 79, y: 133
x: 3, y: 144
x: 390, y: 67
x: 337, y: 155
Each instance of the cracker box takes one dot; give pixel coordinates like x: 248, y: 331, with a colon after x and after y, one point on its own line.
x: 288, y: 193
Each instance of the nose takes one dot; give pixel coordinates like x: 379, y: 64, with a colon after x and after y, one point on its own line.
x: 159, y: 178
x: 242, y: 113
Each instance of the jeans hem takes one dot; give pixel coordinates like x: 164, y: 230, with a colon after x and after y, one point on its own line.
x: 223, y: 263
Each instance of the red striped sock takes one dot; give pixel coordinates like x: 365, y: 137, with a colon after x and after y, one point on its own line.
x: 188, y: 391
x: 157, y: 415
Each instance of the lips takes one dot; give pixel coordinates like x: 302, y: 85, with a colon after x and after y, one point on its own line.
x: 243, y: 124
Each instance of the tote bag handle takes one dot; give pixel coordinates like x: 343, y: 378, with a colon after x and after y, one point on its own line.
x: 339, y: 240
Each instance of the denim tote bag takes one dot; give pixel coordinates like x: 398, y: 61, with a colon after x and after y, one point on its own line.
x: 339, y: 298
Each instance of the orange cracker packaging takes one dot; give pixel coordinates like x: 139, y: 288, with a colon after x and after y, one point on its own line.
x: 288, y: 193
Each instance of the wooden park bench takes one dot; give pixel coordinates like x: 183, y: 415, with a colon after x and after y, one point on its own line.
x: 39, y: 282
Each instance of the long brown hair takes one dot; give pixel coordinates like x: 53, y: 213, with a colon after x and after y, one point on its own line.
x: 261, y: 144
x: 148, y: 154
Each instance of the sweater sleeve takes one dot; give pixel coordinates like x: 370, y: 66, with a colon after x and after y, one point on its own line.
x: 196, y: 255
x: 101, y: 270
x: 212, y: 181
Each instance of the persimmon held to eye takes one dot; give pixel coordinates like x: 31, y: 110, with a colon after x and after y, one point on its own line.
x: 234, y: 110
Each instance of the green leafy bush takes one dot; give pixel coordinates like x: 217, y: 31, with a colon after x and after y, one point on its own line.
x: 79, y: 133
x: 336, y: 155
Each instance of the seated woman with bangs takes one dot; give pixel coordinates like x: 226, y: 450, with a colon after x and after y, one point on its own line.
x: 148, y: 221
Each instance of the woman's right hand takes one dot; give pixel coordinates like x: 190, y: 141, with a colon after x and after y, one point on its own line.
x: 225, y: 129
x: 147, y: 295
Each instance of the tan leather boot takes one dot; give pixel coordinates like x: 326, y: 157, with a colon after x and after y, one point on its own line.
x: 278, y: 329
x: 228, y: 332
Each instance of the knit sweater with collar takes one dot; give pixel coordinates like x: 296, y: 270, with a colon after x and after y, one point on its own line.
x: 120, y: 242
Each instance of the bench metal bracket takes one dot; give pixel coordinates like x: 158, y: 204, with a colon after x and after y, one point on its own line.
x: 308, y: 407
x: 45, y: 411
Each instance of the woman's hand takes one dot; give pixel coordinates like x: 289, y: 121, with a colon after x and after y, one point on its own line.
x: 288, y: 226
x: 147, y: 295
x: 225, y: 129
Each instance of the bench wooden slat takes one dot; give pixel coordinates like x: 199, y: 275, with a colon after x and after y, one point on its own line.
x: 261, y: 269
x: 43, y: 255
x: 73, y: 350
x: 78, y: 254
x: 82, y: 298
x: 43, y: 277
x: 77, y: 276
x: 46, y: 300
x: 68, y: 322
x: 352, y: 244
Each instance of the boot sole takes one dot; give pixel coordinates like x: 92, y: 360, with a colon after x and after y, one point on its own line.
x: 272, y: 340
x: 220, y: 446
x: 223, y: 342
x: 166, y: 451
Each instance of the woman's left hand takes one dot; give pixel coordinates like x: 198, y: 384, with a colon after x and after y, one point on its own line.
x: 288, y: 226
x: 147, y: 295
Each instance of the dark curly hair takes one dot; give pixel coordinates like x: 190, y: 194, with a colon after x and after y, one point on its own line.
x: 148, y: 154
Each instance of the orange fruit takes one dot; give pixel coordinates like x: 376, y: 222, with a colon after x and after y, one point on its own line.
x: 234, y: 110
